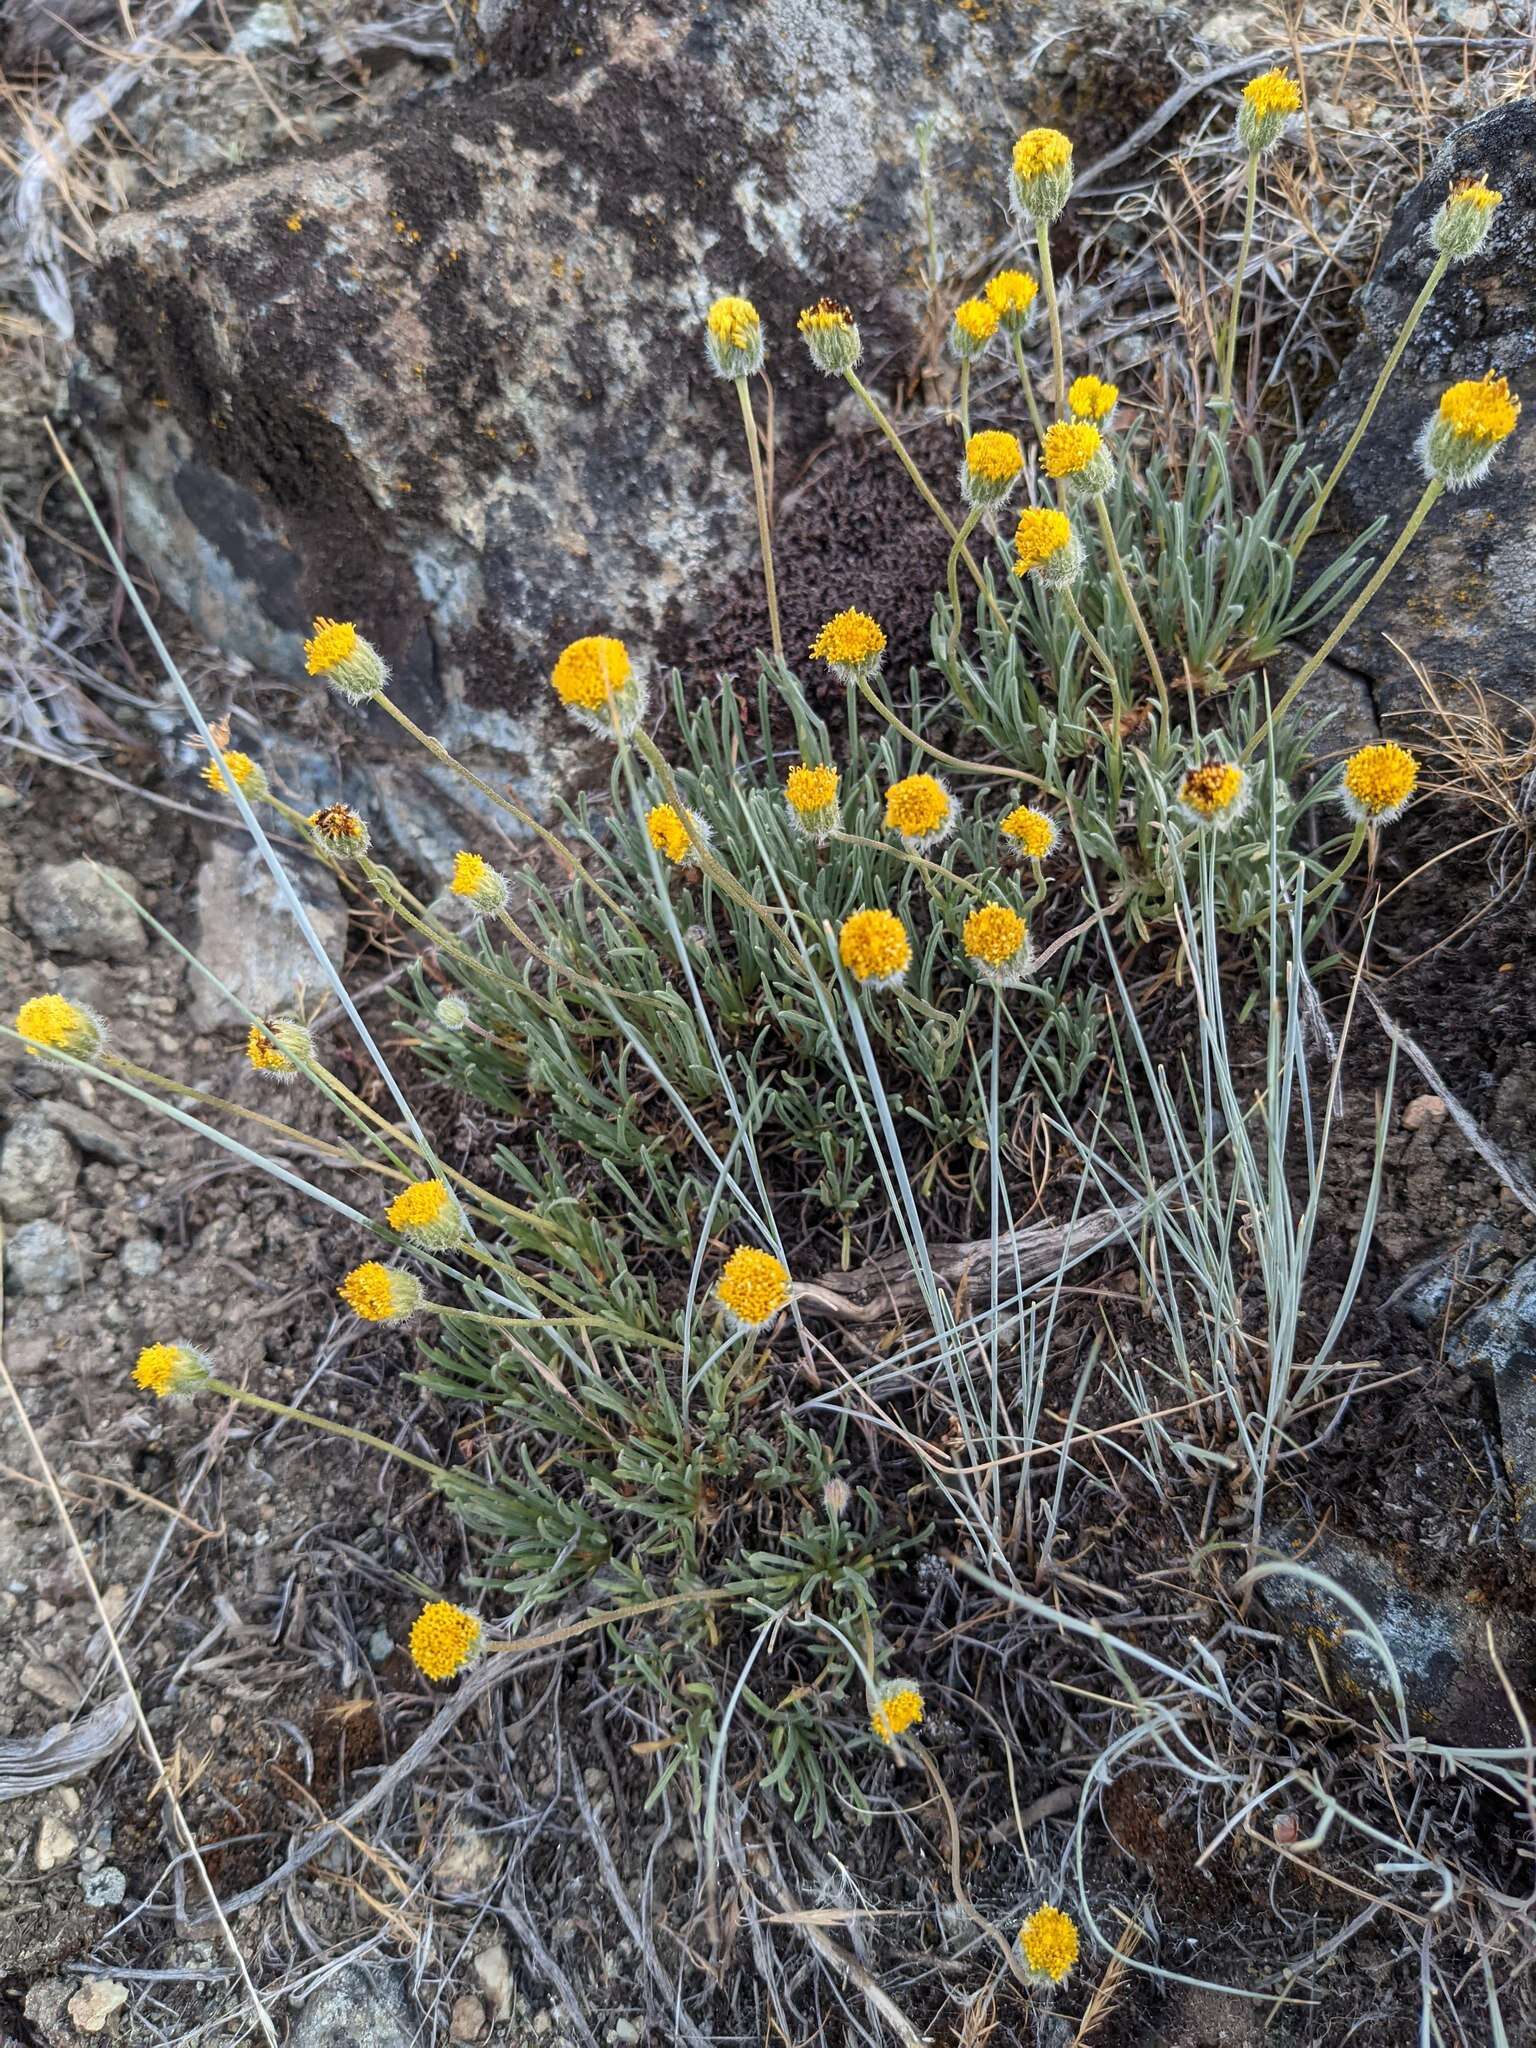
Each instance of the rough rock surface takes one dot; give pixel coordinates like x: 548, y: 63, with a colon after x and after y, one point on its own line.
x: 38, y: 1169
x: 42, y: 1258
x: 1462, y: 600
x: 69, y: 909
x: 446, y: 377
x: 248, y: 937
x: 1499, y: 1339
x: 357, y: 2008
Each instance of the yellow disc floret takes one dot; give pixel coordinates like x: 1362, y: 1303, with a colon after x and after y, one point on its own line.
x: 1042, y: 532
x: 1271, y: 94
x: 851, y: 640
x: 590, y: 671
x: 1481, y: 409
x: 1032, y: 831
x: 165, y: 1370
x: 242, y: 770
x: 54, y: 1024
x: 1049, y: 1943
x: 895, y: 1709
x: 810, y: 789
x: 667, y: 831
x: 1090, y: 398
x: 1070, y: 445
x: 264, y: 1055
x: 995, y: 457
x: 1213, y: 790
x: 994, y: 935
x: 335, y: 641
x: 1378, y: 782
x: 825, y: 317
x: 874, y: 947
x: 1011, y: 293
x: 753, y: 1287
x: 380, y: 1294
x: 1039, y: 151
x: 976, y: 320
x: 444, y: 1638
x: 734, y: 322
x: 918, y: 807
x: 420, y: 1205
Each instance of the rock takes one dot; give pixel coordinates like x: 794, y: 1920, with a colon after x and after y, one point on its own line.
x: 56, y: 1842
x: 328, y: 387
x: 68, y: 908
x: 1437, y: 1638
x: 141, y: 1258
x: 493, y: 1967
x: 467, y: 2020
x: 1499, y: 1339
x: 49, y: 1683
x: 95, y: 2002
x: 43, y: 1258
x: 357, y: 2008
x: 247, y: 936
x: 468, y: 1861
x: 1424, y: 1109
x: 93, y: 1135
x: 1461, y: 600
x: 105, y: 1887
x: 38, y: 1168
x: 1423, y: 1293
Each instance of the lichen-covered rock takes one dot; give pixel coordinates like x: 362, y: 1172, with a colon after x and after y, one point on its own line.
x: 38, y: 1169
x: 69, y: 907
x: 1462, y: 601
x: 248, y: 937
x: 446, y: 377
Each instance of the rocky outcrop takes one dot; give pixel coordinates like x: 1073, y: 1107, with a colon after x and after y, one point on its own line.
x: 1461, y: 601
x: 445, y: 377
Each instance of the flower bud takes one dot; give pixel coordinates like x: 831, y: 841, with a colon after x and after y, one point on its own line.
x: 1042, y: 173
x: 832, y: 336
x: 1462, y: 436
x: 451, y: 1013
x: 1461, y: 226
x: 733, y: 338
x: 346, y: 660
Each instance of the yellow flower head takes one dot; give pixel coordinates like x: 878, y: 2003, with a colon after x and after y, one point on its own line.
x: 478, y: 884
x: 896, y: 1707
x: 267, y: 1057
x: 993, y: 463
x: 1042, y: 173
x: 1461, y: 226
x: 1482, y: 409
x: 427, y: 1214
x: 338, y: 829
x: 972, y: 328
x: 335, y: 641
x: 1378, y: 782
x: 920, y: 809
x: 444, y: 1639
x: 346, y: 660
x: 753, y: 1287
x: 831, y: 335
x: 1012, y: 295
x: 874, y: 947
x: 996, y: 941
x: 1032, y: 832
x: 733, y: 336
x: 1090, y: 398
x: 851, y: 643
x: 591, y: 671
x: 380, y: 1294
x: 811, y: 794
x: 1049, y: 1944
x: 1476, y: 193
x: 668, y: 832
x: 170, y: 1370
x: 1214, y: 793
x: 1070, y: 447
x: 1464, y: 434
x: 54, y: 1024
x: 242, y: 770
x: 1272, y: 93
x: 1043, y: 538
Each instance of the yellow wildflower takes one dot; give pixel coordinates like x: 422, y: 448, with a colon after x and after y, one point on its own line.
x: 1012, y: 295
x: 335, y: 641
x: 427, y: 1214
x: 1378, y: 782
x: 52, y: 1023
x: 1034, y: 833
x: 996, y: 941
x: 1043, y: 540
x: 993, y: 463
x: 1463, y: 435
x: 242, y: 771
x: 346, y: 660
x: 170, y: 1370
x: 591, y: 671
x: 1042, y: 173
x: 668, y: 832
x: 338, y: 829
x: 972, y: 328
x: 1049, y: 1944
x: 852, y: 643
x: 1070, y: 447
x: 753, y: 1287
x: 1272, y: 92
x: 733, y: 335
x: 380, y: 1294
x: 1090, y: 398
x: 265, y: 1056
x: 895, y: 1708
x: 1214, y: 793
x: 874, y: 947
x: 811, y: 794
x: 478, y: 884
x: 920, y: 809
x: 832, y: 336
x: 444, y: 1639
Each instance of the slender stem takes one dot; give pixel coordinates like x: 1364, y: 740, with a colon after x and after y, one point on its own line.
x: 938, y: 753
x: 1048, y: 280
x: 953, y: 579
x: 872, y: 406
x: 515, y: 810
x: 761, y: 495
x: 1310, y: 667
x: 965, y: 399
x: 473, y: 1315
x: 1037, y: 424
x: 1305, y: 530
x: 1229, y: 339
x: 1127, y: 596
x: 1337, y: 874
x: 918, y: 860
x: 1095, y: 648
x: 358, y: 1436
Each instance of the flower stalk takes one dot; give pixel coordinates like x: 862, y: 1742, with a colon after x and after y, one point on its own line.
x: 764, y: 532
